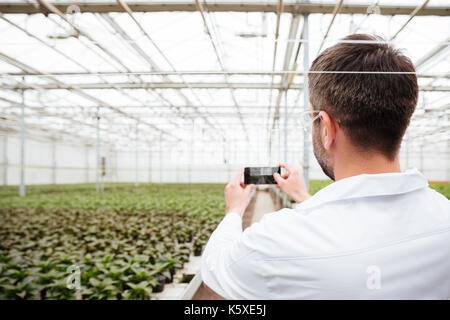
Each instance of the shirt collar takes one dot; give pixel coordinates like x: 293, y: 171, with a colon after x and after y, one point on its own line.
x: 368, y: 185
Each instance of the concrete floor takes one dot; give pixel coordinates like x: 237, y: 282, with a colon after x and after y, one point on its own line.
x: 263, y: 204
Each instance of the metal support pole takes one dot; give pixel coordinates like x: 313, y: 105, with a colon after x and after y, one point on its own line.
x: 247, y: 160
x: 236, y: 157
x: 257, y: 146
x: 189, y: 146
x: 225, y: 160
x: 447, y: 165
x: 285, y: 127
x: 283, y: 195
x: 279, y: 142
x: 87, y: 163
x: 191, y: 151
x: 136, y: 182
x: 174, y: 162
x: 116, y: 165
x: 112, y: 165
x: 22, y: 147
x: 177, y: 173
x: 202, y: 161
x: 53, y: 161
x: 169, y: 163
x: 269, y: 147
x: 160, y: 158
x: 306, y: 100
x: 5, y: 159
x: 150, y: 156
x: 97, y: 149
x: 228, y: 153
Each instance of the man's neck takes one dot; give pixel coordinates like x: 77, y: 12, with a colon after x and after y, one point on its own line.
x: 355, y: 163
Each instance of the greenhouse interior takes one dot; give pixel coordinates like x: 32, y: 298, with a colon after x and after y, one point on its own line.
x: 122, y: 121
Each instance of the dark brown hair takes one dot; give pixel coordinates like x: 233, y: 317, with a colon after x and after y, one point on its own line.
x: 373, y: 109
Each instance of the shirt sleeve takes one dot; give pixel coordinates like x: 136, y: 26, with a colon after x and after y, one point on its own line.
x: 230, y: 264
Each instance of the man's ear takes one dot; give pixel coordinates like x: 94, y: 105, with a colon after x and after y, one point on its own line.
x: 327, y: 129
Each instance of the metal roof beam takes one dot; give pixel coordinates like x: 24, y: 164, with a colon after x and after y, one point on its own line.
x: 51, y: 8
x: 42, y: 111
x: 213, y: 107
x: 411, y: 16
x: 77, y: 90
x: 336, y: 10
x: 148, y: 60
x: 192, y: 73
x: 130, y: 12
x: 432, y: 53
x: 52, y: 47
x: 275, y: 49
x: 242, y: 6
x: 178, y: 85
x: 219, y: 59
x: 159, y: 85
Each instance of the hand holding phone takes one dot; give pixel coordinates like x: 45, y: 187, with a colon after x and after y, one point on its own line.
x: 237, y: 195
x: 293, y: 183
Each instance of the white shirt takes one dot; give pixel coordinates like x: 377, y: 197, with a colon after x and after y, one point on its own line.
x: 371, y: 236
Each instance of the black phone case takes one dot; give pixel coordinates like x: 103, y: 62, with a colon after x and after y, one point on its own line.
x: 264, y: 179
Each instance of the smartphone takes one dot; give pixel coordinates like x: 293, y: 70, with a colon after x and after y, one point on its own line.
x: 260, y: 175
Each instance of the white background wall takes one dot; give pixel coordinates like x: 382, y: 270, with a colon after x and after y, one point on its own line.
x: 60, y: 162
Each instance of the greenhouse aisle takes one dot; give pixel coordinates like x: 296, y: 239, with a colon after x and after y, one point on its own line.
x: 261, y: 203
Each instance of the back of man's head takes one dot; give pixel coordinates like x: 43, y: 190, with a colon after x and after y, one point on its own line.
x: 373, y: 109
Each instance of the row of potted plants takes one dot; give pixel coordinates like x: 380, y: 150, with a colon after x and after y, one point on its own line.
x: 123, y: 244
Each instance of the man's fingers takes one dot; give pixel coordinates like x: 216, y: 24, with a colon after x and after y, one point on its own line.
x: 249, y: 188
x: 237, y: 178
x: 279, y: 179
x: 288, y: 167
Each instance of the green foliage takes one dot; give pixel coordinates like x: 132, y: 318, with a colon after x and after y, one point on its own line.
x: 118, y: 197
x: 316, y: 185
x: 123, y: 239
x: 442, y: 187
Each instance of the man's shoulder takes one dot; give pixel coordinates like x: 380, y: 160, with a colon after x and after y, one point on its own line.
x: 437, y: 197
x: 287, y: 232
x: 345, y: 226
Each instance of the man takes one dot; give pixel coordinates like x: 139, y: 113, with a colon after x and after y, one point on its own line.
x: 375, y: 233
